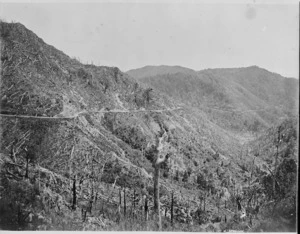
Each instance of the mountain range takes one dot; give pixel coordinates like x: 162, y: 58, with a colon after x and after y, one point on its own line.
x: 73, y: 132
x: 239, y: 99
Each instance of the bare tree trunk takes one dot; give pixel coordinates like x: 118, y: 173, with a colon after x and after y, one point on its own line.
x: 156, y: 196
x: 239, y: 206
x: 251, y: 173
x: 276, y: 161
x: 83, y: 214
x: 96, y: 197
x: 92, y: 197
x: 204, y: 200
x: 70, y: 158
x: 275, y: 170
x: 120, y: 197
x: 201, y: 199
x: 26, y: 173
x: 124, y: 201
x: 39, y: 173
x: 91, y: 204
x: 146, y: 208
x: 156, y: 188
x: 234, y: 188
x: 102, y: 207
x: 172, y: 206
x: 134, y: 199
x: 74, y: 193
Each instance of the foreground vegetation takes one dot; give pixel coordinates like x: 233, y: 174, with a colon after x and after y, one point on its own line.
x: 38, y: 199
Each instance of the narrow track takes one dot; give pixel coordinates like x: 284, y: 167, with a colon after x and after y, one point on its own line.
x: 87, y: 112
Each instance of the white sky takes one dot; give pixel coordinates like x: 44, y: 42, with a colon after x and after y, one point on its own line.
x: 191, y: 34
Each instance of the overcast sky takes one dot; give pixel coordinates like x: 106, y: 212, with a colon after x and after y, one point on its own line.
x: 194, y: 35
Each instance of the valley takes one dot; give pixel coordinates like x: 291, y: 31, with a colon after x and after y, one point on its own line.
x: 79, y: 143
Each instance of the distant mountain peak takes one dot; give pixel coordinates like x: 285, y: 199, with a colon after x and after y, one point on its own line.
x: 237, y: 90
x: 148, y: 71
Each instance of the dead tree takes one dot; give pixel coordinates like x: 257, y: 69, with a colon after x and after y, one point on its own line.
x: 146, y: 208
x: 133, y: 205
x: 124, y: 201
x: 218, y: 204
x: 162, y: 155
x: 276, y: 162
x: 119, y: 210
x: 29, y: 157
x: 172, y: 207
x: 204, y: 201
x: 134, y: 199
x: 147, y: 95
x: 120, y: 197
x: 156, y: 193
x: 74, y: 193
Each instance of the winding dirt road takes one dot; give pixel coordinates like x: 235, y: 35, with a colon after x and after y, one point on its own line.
x: 87, y: 112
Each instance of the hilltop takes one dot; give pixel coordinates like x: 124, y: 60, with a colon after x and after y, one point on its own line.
x: 149, y: 71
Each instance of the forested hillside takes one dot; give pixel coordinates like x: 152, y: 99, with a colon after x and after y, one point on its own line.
x: 237, y: 99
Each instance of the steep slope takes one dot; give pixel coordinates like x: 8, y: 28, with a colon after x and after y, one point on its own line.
x: 276, y: 162
x: 276, y: 94
x: 75, y: 134
x: 70, y: 131
x: 237, y: 99
x: 48, y: 83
